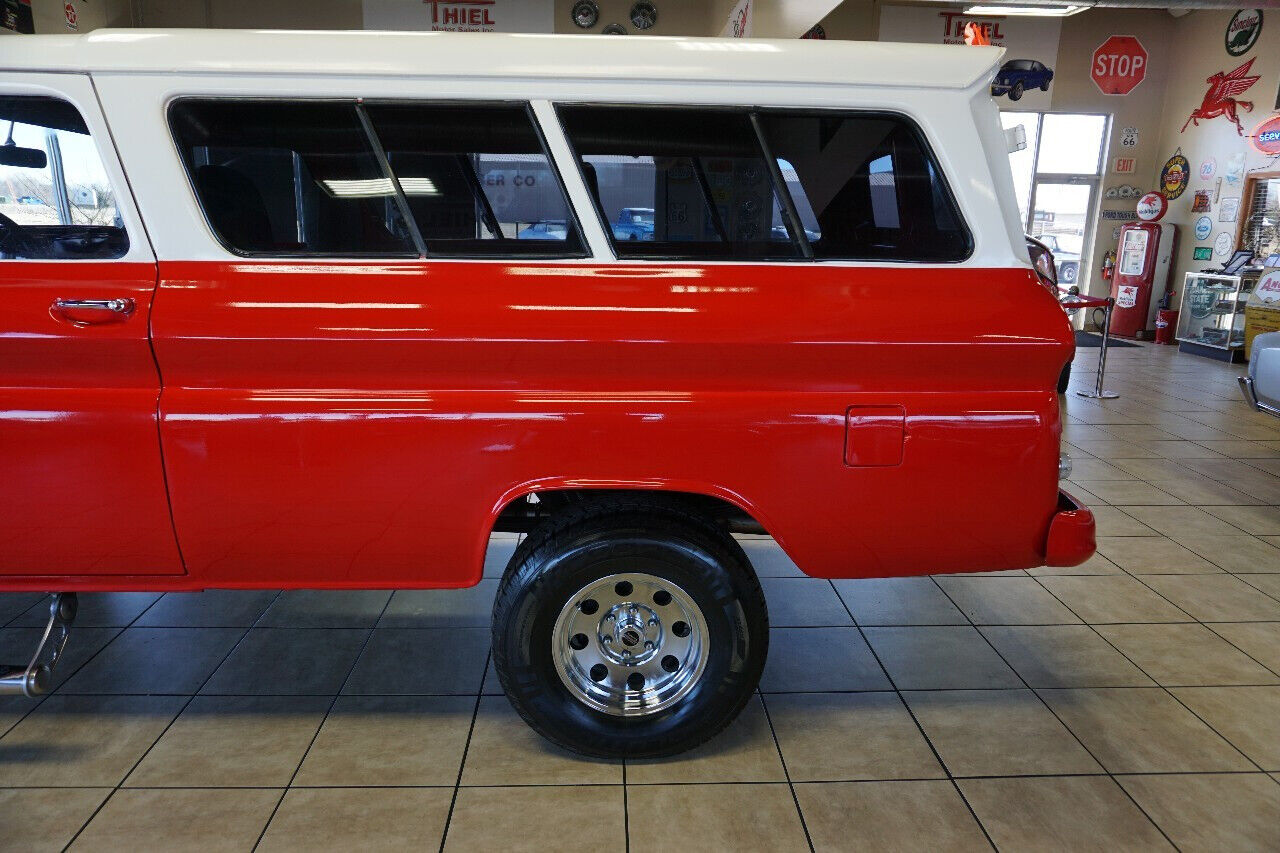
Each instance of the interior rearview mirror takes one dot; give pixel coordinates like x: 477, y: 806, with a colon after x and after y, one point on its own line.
x: 26, y: 158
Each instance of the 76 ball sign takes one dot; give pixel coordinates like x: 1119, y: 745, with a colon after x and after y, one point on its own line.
x: 1119, y: 65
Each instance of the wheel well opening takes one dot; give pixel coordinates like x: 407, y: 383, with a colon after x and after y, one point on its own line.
x: 522, y: 514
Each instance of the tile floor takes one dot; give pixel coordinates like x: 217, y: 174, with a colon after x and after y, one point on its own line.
x: 1130, y: 703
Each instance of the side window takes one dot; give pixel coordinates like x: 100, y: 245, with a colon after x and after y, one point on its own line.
x: 866, y: 187
x: 477, y: 179
x: 289, y: 178
x: 679, y: 182
x: 55, y: 200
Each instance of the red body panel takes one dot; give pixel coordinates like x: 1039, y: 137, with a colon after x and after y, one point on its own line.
x: 84, y: 490
x: 361, y: 424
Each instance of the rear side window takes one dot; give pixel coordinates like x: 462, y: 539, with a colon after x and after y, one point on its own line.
x: 866, y: 187
x: 477, y: 179
x: 695, y: 183
x: 290, y: 178
x: 679, y: 183
x: 55, y: 200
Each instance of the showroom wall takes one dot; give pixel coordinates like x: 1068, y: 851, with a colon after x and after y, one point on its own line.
x: 1200, y: 54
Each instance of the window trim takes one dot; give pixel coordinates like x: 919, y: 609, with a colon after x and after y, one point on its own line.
x: 358, y: 103
x: 780, y: 188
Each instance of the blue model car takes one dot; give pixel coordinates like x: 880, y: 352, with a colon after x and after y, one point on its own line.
x: 1018, y: 75
x: 634, y: 223
x: 554, y: 229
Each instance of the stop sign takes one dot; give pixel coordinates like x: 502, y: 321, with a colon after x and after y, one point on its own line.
x: 1119, y: 65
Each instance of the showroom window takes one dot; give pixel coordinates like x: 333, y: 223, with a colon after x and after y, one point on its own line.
x: 680, y: 183
x: 55, y: 199
x: 477, y: 179
x: 866, y: 187
x: 290, y: 178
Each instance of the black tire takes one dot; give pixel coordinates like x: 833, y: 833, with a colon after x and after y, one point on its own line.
x: 593, y: 541
x: 1015, y: 94
x: 1064, y: 378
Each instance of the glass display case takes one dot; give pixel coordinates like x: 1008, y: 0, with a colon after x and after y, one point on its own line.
x: 1211, y: 316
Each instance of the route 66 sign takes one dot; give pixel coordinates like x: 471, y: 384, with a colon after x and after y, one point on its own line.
x: 1129, y: 137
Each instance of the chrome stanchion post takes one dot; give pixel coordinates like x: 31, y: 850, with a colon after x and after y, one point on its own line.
x: 1100, y: 393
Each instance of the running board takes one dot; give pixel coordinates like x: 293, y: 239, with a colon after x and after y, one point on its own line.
x: 34, y: 678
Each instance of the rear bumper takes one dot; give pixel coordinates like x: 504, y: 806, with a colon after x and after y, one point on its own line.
x: 1072, y: 537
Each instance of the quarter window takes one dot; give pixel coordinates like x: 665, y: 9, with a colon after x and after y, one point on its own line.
x: 55, y: 200
x: 679, y: 183
x: 866, y: 187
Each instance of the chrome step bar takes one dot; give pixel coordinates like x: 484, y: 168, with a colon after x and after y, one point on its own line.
x: 35, y: 678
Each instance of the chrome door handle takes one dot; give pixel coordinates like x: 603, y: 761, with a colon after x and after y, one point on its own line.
x: 117, y: 306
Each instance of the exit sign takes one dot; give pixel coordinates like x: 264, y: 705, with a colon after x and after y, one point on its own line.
x: 1125, y: 165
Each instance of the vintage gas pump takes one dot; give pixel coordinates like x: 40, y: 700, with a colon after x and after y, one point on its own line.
x: 1142, y: 268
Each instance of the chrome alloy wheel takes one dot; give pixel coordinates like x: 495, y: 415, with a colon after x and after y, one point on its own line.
x: 630, y: 644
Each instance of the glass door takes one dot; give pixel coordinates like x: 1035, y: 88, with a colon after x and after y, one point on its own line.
x: 1057, y: 179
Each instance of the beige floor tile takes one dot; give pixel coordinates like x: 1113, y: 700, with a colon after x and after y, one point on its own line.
x: 769, y: 560
x: 998, y: 733
x: 1205, y: 492
x: 1115, y: 448
x: 1139, y: 432
x: 744, y: 752
x: 1182, y: 449
x: 940, y: 658
x: 803, y: 602
x: 1095, y: 469
x: 1064, y: 656
x: 820, y: 659
x: 1081, y: 494
x: 1259, y: 640
x: 898, y: 601
x: 471, y: 607
x: 1249, y: 717
x: 1258, y: 520
x: 83, y: 740
x: 678, y: 818
x: 1238, y: 553
x: 45, y: 819
x: 180, y: 820
x: 505, y: 751
x: 848, y: 736
x: 1095, y: 565
x: 1005, y: 601
x: 365, y: 819
x: 1181, y: 522
x: 898, y: 816
x: 1142, y: 730
x: 1238, y: 448
x: 325, y: 608
x: 1129, y: 493
x: 1210, y: 812
x: 1186, y: 654
x: 1113, y: 521
x: 565, y: 819
x: 389, y: 740
x: 1073, y: 813
x: 1216, y: 598
x: 1268, y: 583
x: 232, y: 742
x: 1098, y: 600
x: 1143, y: 555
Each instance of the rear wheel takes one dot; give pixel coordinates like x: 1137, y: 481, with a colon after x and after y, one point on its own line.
x: 628, y: 630
x: 1015, y: 94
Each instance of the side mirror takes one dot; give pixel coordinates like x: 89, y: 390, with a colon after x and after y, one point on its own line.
x: 24, y: 158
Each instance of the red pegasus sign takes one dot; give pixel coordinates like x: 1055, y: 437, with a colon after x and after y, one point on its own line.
x: 1220, y: 99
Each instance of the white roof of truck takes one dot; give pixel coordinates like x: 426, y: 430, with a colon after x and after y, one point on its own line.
x: 505, y: 55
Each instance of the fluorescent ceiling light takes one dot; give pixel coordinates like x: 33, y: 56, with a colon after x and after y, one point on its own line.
x: 376, y: 187
x: 1038, y: 11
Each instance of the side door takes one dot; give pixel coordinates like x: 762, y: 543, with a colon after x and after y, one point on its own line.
x: 83, y: 489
